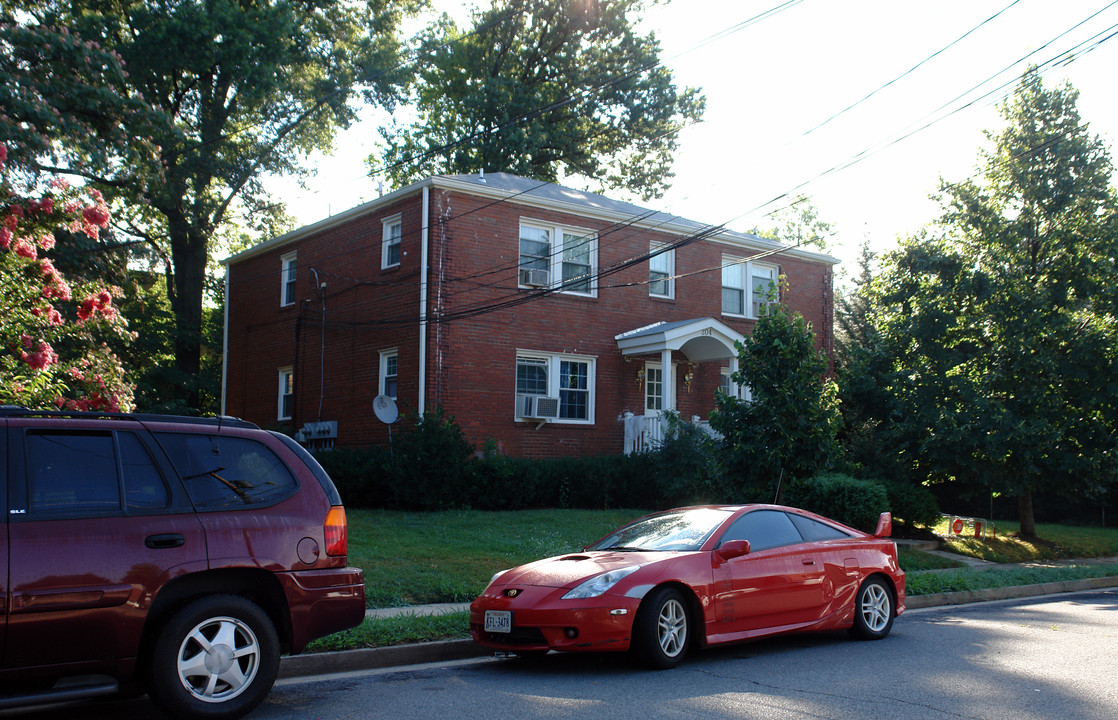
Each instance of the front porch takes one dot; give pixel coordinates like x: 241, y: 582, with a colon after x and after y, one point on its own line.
x: 698, y: 341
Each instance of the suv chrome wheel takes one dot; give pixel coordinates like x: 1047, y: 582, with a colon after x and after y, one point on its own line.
x: 216, y: 658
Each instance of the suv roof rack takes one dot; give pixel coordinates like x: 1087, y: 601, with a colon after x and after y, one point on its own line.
x: 218, y: 420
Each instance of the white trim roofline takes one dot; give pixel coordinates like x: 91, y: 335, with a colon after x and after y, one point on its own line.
x: 549, y: 196
x: 701, y: 339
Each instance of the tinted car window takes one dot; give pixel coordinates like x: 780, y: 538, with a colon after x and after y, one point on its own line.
x: 144, y: 487
x: 763, y: 529
x: 72, y: 473
x: 814, y: 530
x: 227, y: 472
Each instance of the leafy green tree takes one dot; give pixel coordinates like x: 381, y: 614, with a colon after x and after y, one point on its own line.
x: 241, y: 88
x: 798, y: 223
x: 544, y: 90
x: 1003, y: 325
x: 788, y: 426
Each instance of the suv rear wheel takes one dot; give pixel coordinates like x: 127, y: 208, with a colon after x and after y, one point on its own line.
x: 216, y: 658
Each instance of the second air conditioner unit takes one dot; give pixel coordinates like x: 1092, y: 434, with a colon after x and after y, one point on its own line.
x: 533, y: 277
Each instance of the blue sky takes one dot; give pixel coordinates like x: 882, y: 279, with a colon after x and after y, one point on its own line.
x: 862, y: 105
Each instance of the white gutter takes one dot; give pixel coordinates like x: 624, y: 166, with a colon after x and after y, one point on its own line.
x: 423, y: 270
x: 225, y: 342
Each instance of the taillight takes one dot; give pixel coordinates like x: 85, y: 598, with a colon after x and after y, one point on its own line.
x: 334, y: 530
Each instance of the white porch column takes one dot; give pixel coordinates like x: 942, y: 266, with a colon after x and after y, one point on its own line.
x: 733, y: 369
x: 667, y: 388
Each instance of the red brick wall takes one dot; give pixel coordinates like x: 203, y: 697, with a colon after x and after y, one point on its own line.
x: 472, y: 342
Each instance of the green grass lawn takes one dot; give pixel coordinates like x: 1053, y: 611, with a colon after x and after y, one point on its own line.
x: 414, y: 558
x: 418, y: 558
x: 1056, y: 542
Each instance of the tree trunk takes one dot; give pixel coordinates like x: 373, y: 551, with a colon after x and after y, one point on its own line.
x: 1025, y: 514
x: 188, y: 254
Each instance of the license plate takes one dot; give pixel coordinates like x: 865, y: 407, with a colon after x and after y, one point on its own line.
x: 498, y: 621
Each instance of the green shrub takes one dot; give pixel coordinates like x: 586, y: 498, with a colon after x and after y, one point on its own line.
x: 913, y: 504
x: 363, y: 475
x: 851, y: 501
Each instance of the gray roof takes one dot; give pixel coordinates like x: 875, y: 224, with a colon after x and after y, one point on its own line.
x: 515, y: 188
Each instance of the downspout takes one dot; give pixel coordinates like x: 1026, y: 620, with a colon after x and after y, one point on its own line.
x: 423, y: 270
x: 225, y: 343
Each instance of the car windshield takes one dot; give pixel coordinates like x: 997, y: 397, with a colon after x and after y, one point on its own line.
x: 679, y: 530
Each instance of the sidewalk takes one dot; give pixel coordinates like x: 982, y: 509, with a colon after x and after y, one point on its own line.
x: 293, y: 666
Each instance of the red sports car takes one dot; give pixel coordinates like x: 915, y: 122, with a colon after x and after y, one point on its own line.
x: 693, y: 577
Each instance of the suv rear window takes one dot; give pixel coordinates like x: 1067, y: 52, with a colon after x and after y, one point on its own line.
x: 222, y: 472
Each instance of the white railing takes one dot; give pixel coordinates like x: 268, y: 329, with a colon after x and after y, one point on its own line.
x: 646, y: 432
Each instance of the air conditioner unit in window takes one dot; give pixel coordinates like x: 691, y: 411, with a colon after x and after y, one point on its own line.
x: 537, y: 407
x: 534, y: 277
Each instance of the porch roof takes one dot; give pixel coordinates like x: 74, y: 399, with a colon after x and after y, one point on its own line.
x: 701, y: 339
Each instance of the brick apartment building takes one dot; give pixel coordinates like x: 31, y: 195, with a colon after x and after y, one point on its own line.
x: 552, y: 321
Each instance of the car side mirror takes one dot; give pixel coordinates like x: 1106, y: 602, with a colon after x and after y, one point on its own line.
x: 884, y: 525
x: 732, y: 549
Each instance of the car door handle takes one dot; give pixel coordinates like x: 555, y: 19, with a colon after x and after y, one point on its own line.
x: 809, y: 562
x: 165, y: 540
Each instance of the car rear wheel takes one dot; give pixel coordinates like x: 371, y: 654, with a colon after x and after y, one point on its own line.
x: 873, y: 611
x: 217, y: 658
x: 661, y: 631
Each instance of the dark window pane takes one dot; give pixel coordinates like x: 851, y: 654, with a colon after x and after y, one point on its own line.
x: 70, y: 473
x: 228, y: 472
x: 763, y: 529
x: 144, y: 488
x: 814, y: 530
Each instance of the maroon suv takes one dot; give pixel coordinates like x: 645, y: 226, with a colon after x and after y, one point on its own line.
x: 180, y: 556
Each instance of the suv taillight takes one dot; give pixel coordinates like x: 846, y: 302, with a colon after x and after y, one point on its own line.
x: 334, y: 530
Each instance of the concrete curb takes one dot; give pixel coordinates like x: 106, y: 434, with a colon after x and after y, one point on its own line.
x: 1007, y: 593
x: 325, y: 663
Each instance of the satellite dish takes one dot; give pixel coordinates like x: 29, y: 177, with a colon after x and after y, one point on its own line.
x: 385, y: 409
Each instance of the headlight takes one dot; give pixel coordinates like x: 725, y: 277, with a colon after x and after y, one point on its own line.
x: 597, y: 585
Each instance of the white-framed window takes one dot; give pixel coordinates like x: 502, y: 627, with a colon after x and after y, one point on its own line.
x: 728, y: 387
x: 661, y: 270
x: 285, y: 404
x: 558, y: 257
x: 287, y: 279
x: 390, y: 246
x: 747, y: 287
x: 568, y: 379
x: 389, y: 372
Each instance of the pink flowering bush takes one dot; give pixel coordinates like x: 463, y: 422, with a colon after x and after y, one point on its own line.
x: 52, y: 349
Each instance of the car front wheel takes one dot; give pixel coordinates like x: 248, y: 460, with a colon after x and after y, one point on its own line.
x: 873, y: 610
x: 661, y: 631
x: 216, y: 658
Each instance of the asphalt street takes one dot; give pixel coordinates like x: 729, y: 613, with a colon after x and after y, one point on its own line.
x: 1023, y: 659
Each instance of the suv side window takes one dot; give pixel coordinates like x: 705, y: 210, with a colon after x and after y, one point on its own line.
x: 222, y: 472
x: 71, y: 473
x: 77, y: 473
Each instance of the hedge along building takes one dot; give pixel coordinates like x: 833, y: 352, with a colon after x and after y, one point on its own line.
x: 552, y: 321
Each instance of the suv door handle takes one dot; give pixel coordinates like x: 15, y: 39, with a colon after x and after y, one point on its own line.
x: 165, y: 540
